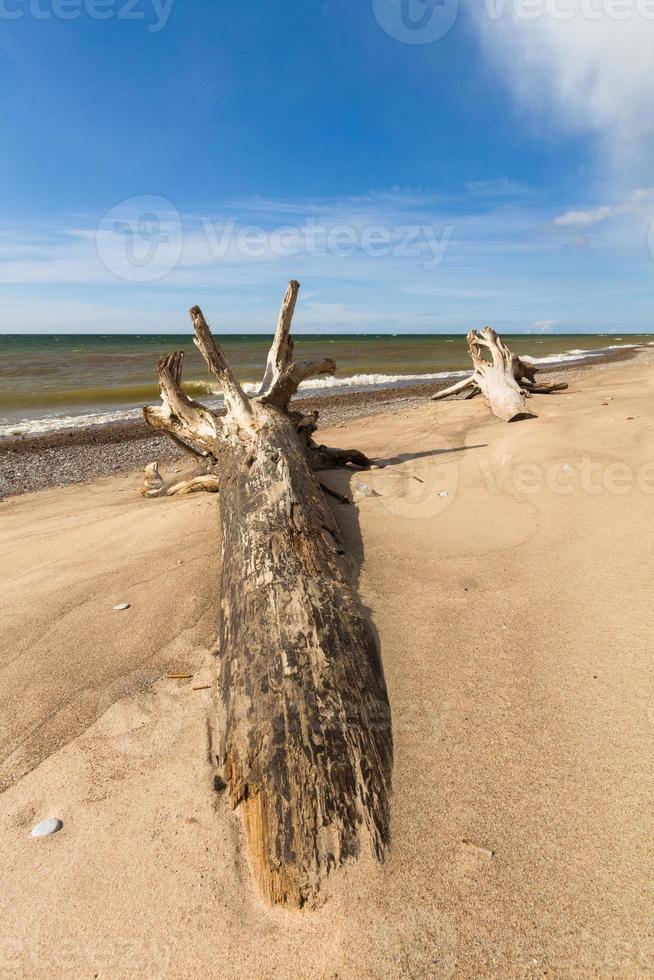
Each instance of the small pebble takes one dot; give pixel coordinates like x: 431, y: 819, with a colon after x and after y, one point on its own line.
x: 121, y: 606
x: 47, y: 827
x: 443, y: 493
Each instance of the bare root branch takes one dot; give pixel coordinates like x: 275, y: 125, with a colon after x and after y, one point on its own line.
x: 287, y: 383
x: 327, y: 458
x: 491, y: 341
x: 542, y: 388
x: 342, y: 499
x: 281, y: 351
x: 209, y: 483
x: 155, y: 486
x: 185, y: 420
x: 523, y: 370
x: 237, y: 402
x: 454, y: 389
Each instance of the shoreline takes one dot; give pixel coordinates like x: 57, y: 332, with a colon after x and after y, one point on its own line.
x: 33, y: 463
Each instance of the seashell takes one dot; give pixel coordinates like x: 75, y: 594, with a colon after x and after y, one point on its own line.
x: 121, y: 606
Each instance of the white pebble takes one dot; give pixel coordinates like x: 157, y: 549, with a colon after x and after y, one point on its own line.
x: 47, y: 827
x: 121, y: 606
x: 443, y: 493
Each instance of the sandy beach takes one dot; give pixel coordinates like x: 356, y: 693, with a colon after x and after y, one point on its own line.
x: 507, y: 570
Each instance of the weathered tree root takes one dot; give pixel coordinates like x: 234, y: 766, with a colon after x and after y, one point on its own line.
x: 505, y: 382
x: 305, y: 733
x: 199, y: 481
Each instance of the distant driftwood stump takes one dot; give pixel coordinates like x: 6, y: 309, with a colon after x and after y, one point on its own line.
x: 305, y: 731
x: 505, y: 382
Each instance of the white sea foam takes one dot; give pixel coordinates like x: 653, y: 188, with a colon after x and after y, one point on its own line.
x: 363, y: 381
x: 53, y: 423
x: 574, y: 355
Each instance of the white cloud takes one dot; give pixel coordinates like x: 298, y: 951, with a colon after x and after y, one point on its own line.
x: 545, y: 326
x: 588, y: 60
x: 640, y: 204
x: 575, y: 219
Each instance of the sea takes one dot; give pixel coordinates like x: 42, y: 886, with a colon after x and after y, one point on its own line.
x: 59, y: 381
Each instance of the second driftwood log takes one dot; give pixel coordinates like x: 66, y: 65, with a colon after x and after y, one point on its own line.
x: 505, y: 382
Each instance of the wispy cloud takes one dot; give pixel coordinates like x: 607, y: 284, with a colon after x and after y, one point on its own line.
x: 386, y: 261
x: 501, y: 187
x: 373, y: 237
x: 583, y: 219
x: 640, y: 204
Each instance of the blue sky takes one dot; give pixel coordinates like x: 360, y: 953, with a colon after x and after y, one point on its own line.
x: 183, y: 151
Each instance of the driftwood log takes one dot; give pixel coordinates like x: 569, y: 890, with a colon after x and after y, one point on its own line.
x: 304, y: 725
x: 506, y: 381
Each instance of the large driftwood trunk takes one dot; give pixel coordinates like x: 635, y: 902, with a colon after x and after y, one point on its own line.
x: 306, y: 746
x: 304, y: 722
x: 505, y: 381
